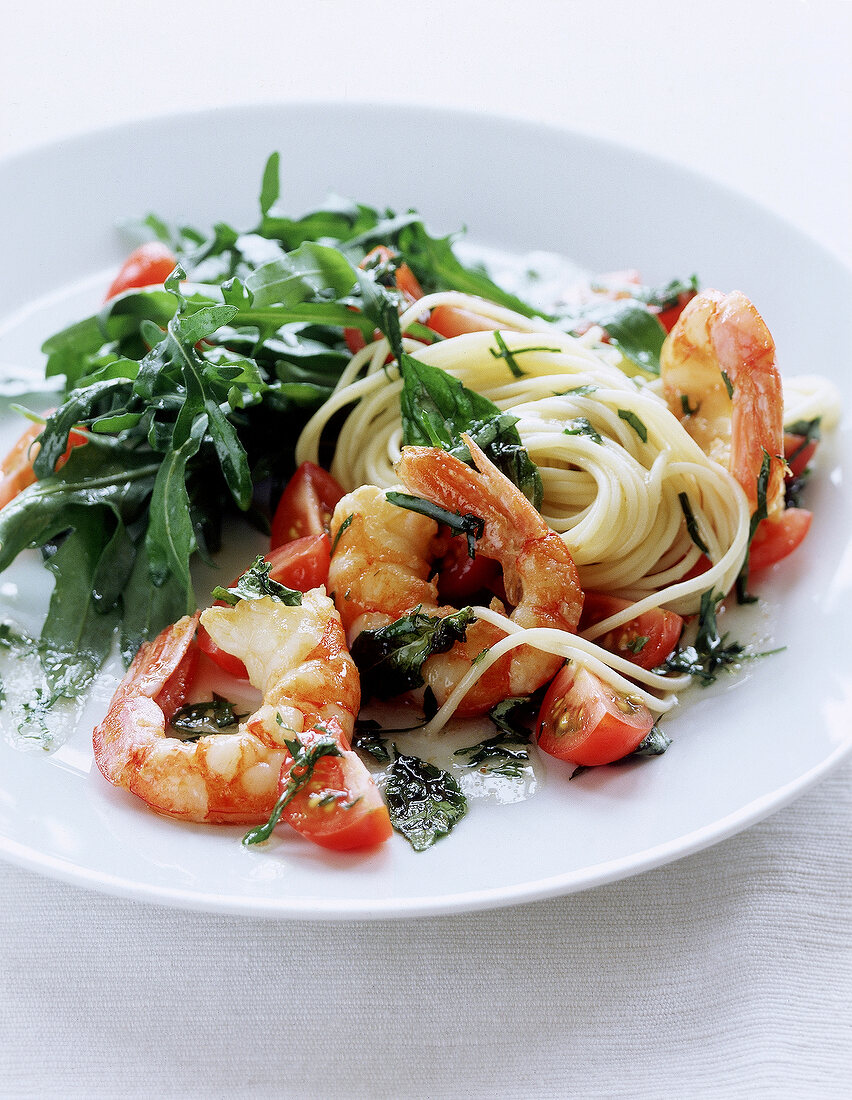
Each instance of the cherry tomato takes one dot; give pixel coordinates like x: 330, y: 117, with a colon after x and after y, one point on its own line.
x: 449, y: 321
x: 174, y: 692
x: 306, y: 504
x: 668, y: 317
x: 774, y: 539
x: 406, y: 284
x: 583, y: 720
x: 301, y: 564
x: 798, y: 453
x: 460, y: 576
x: 340, y: 807
x: 149, y: 265
x: 660, y: 629
x: 17, y: 467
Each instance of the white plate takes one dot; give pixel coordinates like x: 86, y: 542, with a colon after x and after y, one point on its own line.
x: 741, y: 749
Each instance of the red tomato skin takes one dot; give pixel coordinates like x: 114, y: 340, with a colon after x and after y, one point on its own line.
x: 798, y: 456
x: 149, y: 265
x: 449, y: 321
x: 361, y: 822
x: 662, y: 628
x: 301, y: 564
x: 17, y: 467
x: 461, y: 576
x: 306, y: 505
x: 585, y: 722
x: 176, y: 689
x: 774, y: 539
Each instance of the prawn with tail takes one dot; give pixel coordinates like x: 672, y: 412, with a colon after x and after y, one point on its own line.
x: 382, y: 565
x: 297, y: 657
x: 721, y: 381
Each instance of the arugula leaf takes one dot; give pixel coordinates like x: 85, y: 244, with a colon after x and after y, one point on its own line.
x: 390, y: 659
x: 436, y: 408
x: 256, y: 583
x: 78, y: 632
x: 303, y: 275
x: 424, y: 802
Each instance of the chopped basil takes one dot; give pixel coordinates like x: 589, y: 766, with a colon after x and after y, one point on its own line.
x: 580, y: 425
x: 655, y: 744
x: 390, y: 659
x: 691, y: 525
x: 368, y: 738
x: 759, y: 514
x: 305, y: 759
x: 204, y: 719
x: 635, y: 423
x: 710, y: 651
x: 256, y: 583
x: 729, y: 385
x: 424, y: 802
x: 469, y: 525
x: 503, y: 351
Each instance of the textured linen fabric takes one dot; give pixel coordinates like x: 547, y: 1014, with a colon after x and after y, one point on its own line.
x: 727, y: 974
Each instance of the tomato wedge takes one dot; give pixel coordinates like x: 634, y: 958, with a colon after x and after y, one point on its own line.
x: 17, y: 467
x: 646, y: 641
x: 149, y: 265
x: 306, y: 505
x: 301, y: 564
x: 798, y: 452
x: 461, y: 576
x: 775, y: 538
x: 583, y: 720
x: 340, y: 807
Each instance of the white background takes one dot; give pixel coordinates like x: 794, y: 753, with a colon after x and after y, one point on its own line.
x: 728, y: 974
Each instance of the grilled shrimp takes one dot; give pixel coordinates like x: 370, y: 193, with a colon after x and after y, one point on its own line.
x: 296, y: 656
x: 383, y: 561
x: 720, y: 380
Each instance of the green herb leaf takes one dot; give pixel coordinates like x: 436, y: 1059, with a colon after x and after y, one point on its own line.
x: 424, y: 802
x: 469, y: 525
x: 368, y: 738
x: 204, y: 719
x: 580, y: 425
x: 635, y: 423
x: 256, y: 583
x: 691, y: 525
x: 390, y: 659
x: 636, y: 333
x: 305, y: 760
x: 655, y: 744
x: 436, y: 408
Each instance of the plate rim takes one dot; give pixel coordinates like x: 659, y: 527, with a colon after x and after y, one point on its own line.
x: 278, y: 907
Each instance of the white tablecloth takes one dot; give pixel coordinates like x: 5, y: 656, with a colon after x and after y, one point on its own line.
x: 726, y: 974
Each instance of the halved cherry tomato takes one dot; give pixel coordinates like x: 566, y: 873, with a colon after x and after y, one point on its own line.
x: 774, y: 539
x: 149, y: 265
x: 306, y: 504
x: 176, y: 689
x: 460, y: 576
x: 301, y: 564
x: 583, y: 720
x: 340, y: 807
x: 659, y: 628
x: 798, y: 453
x: 17, y: 467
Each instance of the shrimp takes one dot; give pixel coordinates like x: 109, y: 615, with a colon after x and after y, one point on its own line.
x: 382, y: 564
x: 721, y: 381
x: 295, y: 656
